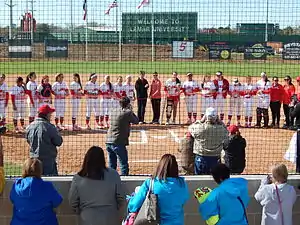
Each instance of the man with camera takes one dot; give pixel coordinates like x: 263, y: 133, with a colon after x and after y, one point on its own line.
x: 295, y: 111
x: 118, y: 135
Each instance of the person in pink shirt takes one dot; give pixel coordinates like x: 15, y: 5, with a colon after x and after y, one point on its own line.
x: 155, y: 96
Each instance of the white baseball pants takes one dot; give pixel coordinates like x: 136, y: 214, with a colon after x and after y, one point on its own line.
x: 2, y: 109
x: 20, y: 113
x: 248, y: 107
x: 235, y: 105
x: 105, y: 106
x: 206, y: 102
x: 60, y: 107
x: 92, y: 105
x: 220, y: 104
x: 75, y: 102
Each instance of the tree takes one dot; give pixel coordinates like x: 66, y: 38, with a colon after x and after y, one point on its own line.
x: 43, y: 28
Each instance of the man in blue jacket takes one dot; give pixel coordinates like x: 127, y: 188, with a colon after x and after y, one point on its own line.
x: 43, y: 139
x: 229, y: 200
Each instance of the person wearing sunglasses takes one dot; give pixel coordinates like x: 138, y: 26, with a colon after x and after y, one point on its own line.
x: 276, y: 94
x: 289, y: 91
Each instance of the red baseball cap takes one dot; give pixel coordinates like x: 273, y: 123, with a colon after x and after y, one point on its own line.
x: 233, y: 129
x: 46, y: 109
x: 298, y: 78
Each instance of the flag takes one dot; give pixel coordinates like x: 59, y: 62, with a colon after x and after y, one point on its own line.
x: 84, y: 10
x: 142, y: 3
x: 114, y: 4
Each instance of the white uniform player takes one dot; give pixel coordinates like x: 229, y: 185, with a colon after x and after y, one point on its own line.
x: 31, y: 86
x: 18, y: 96
x: 222, y: 88
x: 190, y: 89
x: 129, y: 88
x: 172, y: 89
x: 106, y: 92
x: 235, y: 101
x: 263, y: 87
x: 60, y: 91
x: 119, y: 92
x: 249, y: 90
x: 76, y: 95
x: 92, y: 92
x: 4, y: 96
x: 207, y: 95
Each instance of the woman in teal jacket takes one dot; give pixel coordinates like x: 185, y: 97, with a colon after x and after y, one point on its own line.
x: 171, y: 190
x: 228, y: 201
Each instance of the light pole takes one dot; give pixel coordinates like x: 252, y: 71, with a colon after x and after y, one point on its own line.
x: 10, y: 5
x: 267, y: 21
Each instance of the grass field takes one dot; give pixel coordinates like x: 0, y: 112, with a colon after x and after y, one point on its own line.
x: 229, y: 68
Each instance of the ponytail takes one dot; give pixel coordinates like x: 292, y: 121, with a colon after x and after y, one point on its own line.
x: 79, y: 80
x: 110, y: 86
x: 177, y: 81
x: 30, y: 75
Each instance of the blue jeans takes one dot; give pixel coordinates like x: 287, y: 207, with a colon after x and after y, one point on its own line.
x: 120, y: 152
x: 49, y: 167
x: 204, y: 164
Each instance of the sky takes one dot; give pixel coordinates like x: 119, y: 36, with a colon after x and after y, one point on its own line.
x: 211, y: 13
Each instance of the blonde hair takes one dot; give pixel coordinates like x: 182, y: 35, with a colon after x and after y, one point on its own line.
x: 280, y: 173
x: 32, y: 168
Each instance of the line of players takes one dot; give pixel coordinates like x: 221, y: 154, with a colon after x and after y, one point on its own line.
x: 34, y: 95
x: 213, y: 94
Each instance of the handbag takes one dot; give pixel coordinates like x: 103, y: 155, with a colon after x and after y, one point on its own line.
x: 245, y: 213
x: 149, y: 212
x: 280, y: 205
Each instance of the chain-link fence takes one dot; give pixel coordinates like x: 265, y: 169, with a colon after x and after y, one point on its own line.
x: 117, y: 40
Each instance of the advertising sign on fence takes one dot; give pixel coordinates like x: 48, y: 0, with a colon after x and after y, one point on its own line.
x: 183, y: 49
x: 19, y: 48
x: 291, y: 51
x: 219, y: 50
x: 56, y: 48
x: 166, y: 25
x: 255, y: 52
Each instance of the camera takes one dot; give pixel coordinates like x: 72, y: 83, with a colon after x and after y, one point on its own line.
x: 2, y: 130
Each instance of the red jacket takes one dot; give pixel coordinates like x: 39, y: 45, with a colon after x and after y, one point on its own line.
x: 289, y: 91
x: 225, y: 87
x: 276, y: 93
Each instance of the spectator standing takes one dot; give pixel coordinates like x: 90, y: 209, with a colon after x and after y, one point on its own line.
x: 171, y: 190
x: 2, y: 174
x: 141, y: 88
x: 118, y: 135
x: 209, y: 135
x: 289, y: 91
x: 276, y: 197
x: 234, y: 148
x: 34, y: 200
x: 295, y: 111
x: 229, y: 200
x: 155, y: 96
x: 43, y: 139
x: 96, y: 192
x: 276, y: 98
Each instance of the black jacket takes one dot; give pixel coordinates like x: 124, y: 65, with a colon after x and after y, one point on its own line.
x: 235, y: 154
x: 295, y: 113
x: 141, y: 90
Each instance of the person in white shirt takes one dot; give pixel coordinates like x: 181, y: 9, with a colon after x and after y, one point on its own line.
x: 76, y: 96
x: 60, y: 91
x: 129, y: 88
x: 4, y: 97
x: 92, y: 93
x: 172, y: 90
x: 190, y: 89
x: 235, y: 101
x: 249, y: 91
x: 31, y: 86
x: 208, y: 90
x: 18, y: 97
x: 263, y: 87
x: 277, y: 198
x: 119, y: 92
x: 106, y: 93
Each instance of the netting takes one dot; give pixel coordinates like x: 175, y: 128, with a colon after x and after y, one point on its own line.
x: 120, y: 38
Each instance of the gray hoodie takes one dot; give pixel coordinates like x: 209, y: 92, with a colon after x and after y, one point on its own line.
x: 267, y: 197
x: 43, y: 138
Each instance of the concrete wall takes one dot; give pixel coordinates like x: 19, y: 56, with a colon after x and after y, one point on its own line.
x: 66, y: 216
